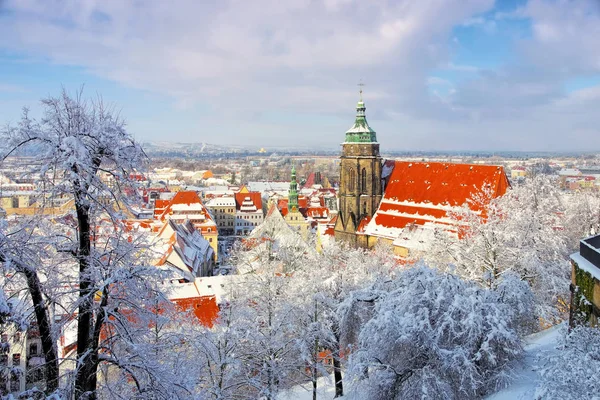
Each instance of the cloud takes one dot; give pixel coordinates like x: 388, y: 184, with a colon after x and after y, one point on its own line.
x: 240, y: 61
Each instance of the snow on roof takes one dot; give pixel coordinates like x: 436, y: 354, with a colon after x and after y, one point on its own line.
x: 263, y: 187
x: 416, y: 237
x: 182, y: 217
x: 589, y: 250
x: 423, y: 192
x: 569, y: 172
x: 275, y: 228
x: 250, y: 197
x: 187, y: 207
x: 221, y: 201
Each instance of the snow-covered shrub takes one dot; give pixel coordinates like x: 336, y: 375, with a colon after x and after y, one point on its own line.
x: 434, y: 336
x: 517, y: 294
x: 573, y: 371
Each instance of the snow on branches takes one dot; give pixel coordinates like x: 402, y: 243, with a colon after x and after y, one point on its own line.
x: 573, y: 371
x: 433, y: 335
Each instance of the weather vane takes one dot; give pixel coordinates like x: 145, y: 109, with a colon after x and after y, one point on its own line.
x: 361, y: 84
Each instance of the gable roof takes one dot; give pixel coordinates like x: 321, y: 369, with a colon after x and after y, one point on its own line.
x: 255, y: 197
x: 423, y: 192
x: 181, y: 198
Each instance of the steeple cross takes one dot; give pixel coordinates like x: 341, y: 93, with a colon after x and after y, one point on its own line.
x: 361, y: 84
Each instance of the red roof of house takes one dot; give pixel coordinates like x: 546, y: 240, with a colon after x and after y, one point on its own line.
x: 184, y: 197
x: 421, y: 192
x: 205, y: 308
x: 317, y: 212
x: 282, y: 204
x: 254, y: 196
x: 363, y: 224
x: 159, y: 207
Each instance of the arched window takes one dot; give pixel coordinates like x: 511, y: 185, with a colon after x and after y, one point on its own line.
x: 351, y: 180
x: 363, y: 181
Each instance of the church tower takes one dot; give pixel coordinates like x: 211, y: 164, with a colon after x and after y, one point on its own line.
x: 293, y: 192
x: 360, y: 178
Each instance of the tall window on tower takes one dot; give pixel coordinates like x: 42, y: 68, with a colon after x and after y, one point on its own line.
x: 351, y: 179
x: 363, y: 181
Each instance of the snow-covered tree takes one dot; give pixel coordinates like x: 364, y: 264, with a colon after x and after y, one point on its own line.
x: 220, y: 376
x: 84, y: 152
x: 572, y: 371
x: 519, y: 233
x: 269, y: 360
x: 432, y: 335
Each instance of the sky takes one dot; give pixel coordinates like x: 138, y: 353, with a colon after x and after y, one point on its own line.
x: 439, y: 75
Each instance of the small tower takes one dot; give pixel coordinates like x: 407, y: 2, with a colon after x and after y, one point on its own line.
x: 293, y: 192
x: 293, y: 216
x: 360, y: 178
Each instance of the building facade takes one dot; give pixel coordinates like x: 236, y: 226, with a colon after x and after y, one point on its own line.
x: 223, y: 210
x: 585, y: 283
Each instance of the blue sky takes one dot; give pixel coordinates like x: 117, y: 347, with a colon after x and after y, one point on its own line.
x: 439, y: 74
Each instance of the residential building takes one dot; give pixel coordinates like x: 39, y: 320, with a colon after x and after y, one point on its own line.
x: 187, y: 206
x: 585, y: 283
x: 223, y: 210
x: 186, y: 251
x: 249, y: 215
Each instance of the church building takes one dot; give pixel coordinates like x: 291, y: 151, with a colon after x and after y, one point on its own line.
x: 360, y: 178
x: 402, y: 203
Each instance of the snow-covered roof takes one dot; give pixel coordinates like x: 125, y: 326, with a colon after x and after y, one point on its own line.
x: 225, y: 201
x: 423, y: 192
x: 588, y: 257
x: 264, y: 187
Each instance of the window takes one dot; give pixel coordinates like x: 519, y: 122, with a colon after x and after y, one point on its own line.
x: 363, y: 182
x: 33, y: 349
x: 16, y: 359
x: 351, y: 180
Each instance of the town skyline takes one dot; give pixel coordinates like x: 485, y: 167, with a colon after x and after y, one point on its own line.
x: 446, y: 76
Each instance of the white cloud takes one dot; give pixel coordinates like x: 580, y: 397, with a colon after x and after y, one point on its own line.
x: 243, y: 59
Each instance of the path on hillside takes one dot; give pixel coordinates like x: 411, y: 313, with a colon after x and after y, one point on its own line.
x: 523, y: 387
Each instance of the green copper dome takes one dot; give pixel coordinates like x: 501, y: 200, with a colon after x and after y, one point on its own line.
x: 360, y: 132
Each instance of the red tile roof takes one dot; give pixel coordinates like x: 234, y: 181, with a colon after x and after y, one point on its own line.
x: 421, y: 192
x: 254, y: 196
x: 362, y: 225
x: 317, y: 212
x: 282, y: 204
x: 183, y: 197
x: 205, y: 308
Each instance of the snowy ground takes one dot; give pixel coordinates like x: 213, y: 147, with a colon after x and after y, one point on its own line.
x: 325, y: 391
x: 523, y: 387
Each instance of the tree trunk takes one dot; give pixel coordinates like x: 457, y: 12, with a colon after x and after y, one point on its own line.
x: 43, y: 322
x: 337, y: 374
x: 87, y: 353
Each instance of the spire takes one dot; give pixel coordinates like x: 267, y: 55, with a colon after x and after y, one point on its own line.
x: 293, y: 192
x: 360, y: 132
